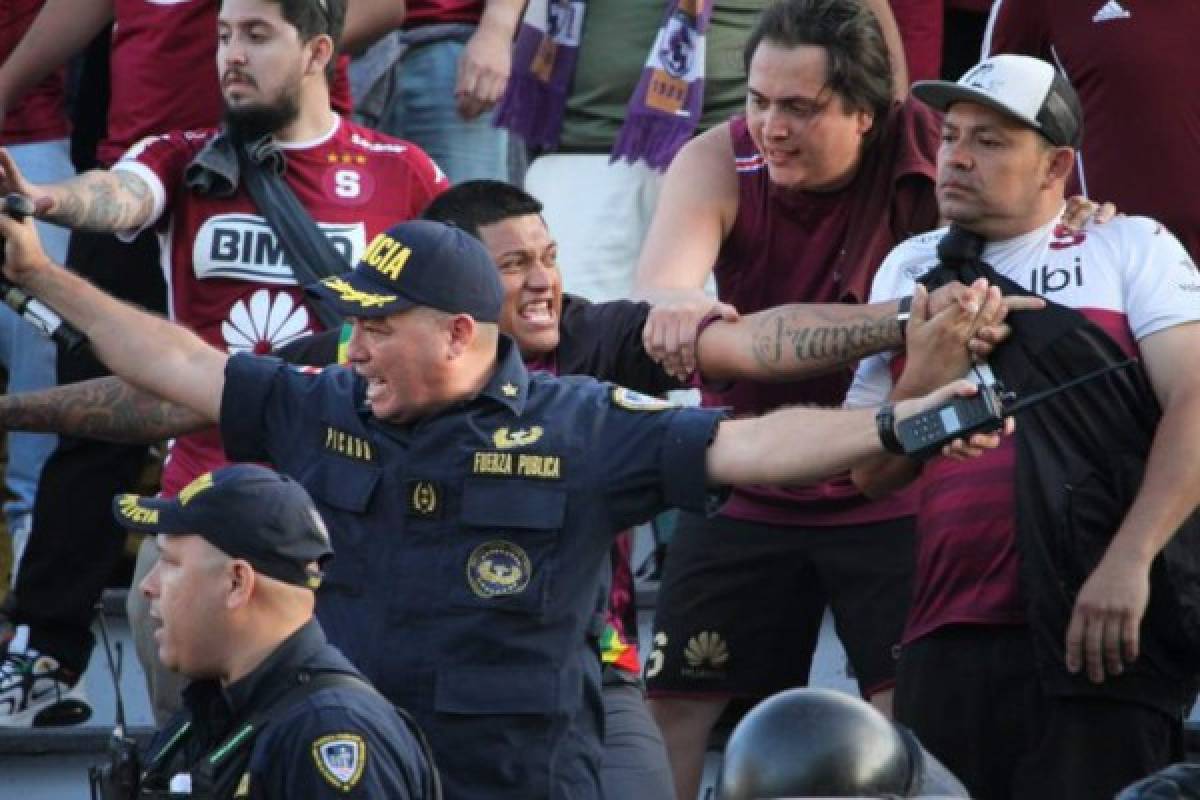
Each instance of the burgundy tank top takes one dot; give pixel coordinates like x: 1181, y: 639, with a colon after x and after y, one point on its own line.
x: 821, y: 247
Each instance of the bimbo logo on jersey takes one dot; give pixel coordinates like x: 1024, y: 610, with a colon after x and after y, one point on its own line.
x: 243, y: 247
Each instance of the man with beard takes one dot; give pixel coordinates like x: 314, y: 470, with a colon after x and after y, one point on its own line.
x: 227, y: 275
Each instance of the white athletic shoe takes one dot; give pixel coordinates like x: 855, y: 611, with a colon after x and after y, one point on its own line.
x: 35, y: 690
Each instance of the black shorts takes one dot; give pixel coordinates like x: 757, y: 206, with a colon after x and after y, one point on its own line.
x: 740, y: 606
x: 972, y: 696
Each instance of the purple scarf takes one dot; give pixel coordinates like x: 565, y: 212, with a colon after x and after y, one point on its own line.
x: 665, y: 107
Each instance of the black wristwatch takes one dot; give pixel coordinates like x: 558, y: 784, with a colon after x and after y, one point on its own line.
x: 885, y: 423
x: 903, y: 312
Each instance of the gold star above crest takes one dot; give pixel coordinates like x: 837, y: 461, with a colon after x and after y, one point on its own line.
x: 509, y: 390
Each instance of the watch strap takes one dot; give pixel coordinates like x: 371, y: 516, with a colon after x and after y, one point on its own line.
x: 885, y: 423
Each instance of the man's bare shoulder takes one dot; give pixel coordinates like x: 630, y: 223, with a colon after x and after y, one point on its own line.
x: 718, y: 141
x: 703, y: 175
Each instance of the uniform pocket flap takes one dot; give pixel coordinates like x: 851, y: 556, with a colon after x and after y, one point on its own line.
x: 511, y: 504
x: 496, y: 690
x: 343, y: 486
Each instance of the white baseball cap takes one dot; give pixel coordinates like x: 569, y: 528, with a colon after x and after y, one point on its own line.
x: 1023, y: 87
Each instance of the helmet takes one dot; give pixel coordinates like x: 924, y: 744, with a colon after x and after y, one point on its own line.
x: 818, y: 742
x: 1176, y: 782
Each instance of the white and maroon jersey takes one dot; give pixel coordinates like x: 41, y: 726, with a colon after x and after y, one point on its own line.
x: 164, y: 72
x: 227, y: 276
x: 1132, y: 278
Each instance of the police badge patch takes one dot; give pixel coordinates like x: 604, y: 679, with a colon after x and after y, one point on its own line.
x: 498, y: 569
x: 630, y: 400
x: 341, y: 759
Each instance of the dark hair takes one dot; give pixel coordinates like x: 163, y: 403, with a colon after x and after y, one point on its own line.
x: 858, y: 68
x: 316, y: 17
x: 472, y: 204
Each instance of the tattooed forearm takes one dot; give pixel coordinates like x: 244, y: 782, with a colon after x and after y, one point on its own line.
x: 102, y: 200
x: 105, y: 408
x: 790, y: 338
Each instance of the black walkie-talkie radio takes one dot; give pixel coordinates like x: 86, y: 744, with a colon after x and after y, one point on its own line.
x: 924, y: 435
x: 119, y: 777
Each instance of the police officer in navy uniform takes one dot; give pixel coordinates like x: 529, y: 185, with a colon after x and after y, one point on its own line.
x: 274, y: 711
x: 473, y: 504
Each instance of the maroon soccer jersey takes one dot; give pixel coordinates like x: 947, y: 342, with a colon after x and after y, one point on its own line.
x: 438, y: 12
x: 820, y: 247
x: 1133, y: 63
x: 164, y: 72
x: 38, y: 116
x: 227, y: 276
x: 968, y: 570
x: 920, y: 24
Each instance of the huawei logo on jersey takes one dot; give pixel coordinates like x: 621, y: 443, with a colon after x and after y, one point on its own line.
x: 264, y: 322
x: 242, y: 247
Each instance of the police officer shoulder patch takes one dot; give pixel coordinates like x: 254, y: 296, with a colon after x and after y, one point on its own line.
x: 630, y: 400
x: 341, y: 759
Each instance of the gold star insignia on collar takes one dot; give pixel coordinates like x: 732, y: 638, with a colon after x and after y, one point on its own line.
x: 509, y: 390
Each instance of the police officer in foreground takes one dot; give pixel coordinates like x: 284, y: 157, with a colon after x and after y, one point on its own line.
x: 274, y: 711
x: 474, y: 504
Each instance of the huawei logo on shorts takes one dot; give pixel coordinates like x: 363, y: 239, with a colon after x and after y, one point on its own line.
x: 706, y: 651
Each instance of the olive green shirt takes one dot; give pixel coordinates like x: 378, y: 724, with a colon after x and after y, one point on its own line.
x: 617, y: 37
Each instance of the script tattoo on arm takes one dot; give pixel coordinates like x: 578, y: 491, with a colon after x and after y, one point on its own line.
x: 107, y: 409
x: 105, y: 201
x: 791, y: 338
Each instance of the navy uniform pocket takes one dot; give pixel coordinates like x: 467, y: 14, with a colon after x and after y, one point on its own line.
x: 505, y: 555
x: 343, y: 492
x: 496, y: 727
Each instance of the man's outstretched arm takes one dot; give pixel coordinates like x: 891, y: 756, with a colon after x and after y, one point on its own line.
x: 151, y: 353
x: 108, y: 409
x: 796, y: 341
x: 795, y: 446
x: 106, y: 201
x: 800, y: 340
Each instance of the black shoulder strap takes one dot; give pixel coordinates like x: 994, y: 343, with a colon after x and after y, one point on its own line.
x: 311, y: 255
x: 205, y: 775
